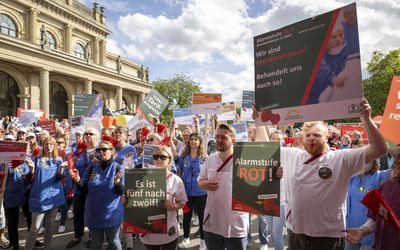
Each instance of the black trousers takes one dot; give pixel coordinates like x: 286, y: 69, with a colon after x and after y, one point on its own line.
x: 79, y: 214
x: 169, y: 246
x: 305, y: 242
x: 198, y: 204
x: 12, y: 216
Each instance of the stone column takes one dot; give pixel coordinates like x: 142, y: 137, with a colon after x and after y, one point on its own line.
x: 141, y: 98
x: 119, y: 98
x: 33, y: 35
x: 88, y: 86
x: 44, y: 90
x: 68, y: 39
x: 134, y: 102
x: 103, y: 52
x: 34, y: 90
x: 96, y: 51
x: 70, y: 108
x: 23, y: 100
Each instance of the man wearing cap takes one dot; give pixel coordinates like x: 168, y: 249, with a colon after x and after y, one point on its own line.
x: 316, y: 180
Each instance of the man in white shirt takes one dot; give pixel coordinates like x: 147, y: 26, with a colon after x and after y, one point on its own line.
x: 224, y: 228
x: 316, y: 181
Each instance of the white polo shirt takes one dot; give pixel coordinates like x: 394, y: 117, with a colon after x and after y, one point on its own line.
x: 218, y: 215
x: 314, y: 206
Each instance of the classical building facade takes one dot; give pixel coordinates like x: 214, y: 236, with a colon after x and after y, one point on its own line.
x: 53, y: 49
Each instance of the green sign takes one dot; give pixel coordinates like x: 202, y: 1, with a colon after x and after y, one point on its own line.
x: 153, y: 105
x: 88, y: 105
x: 145, y: 191
x: 255, y: 187
x: 308, y: 67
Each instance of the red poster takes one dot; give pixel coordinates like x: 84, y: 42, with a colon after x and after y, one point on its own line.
x: 349, y: 130
x: 11, y: 150
x: 40, y: 114
x: 49, y: 126
x: 391, y: 117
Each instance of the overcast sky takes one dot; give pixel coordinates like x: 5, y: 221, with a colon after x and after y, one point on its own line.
x: 212, y: 40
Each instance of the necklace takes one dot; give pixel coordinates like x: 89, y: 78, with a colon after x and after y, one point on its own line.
x: 361, y: 188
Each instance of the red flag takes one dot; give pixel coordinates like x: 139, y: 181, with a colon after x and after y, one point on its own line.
x: 375, y: 202
x: 109, y: 139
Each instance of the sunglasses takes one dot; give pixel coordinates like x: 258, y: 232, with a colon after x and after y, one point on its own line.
x: 59, y: 142
x: 102, y: 150
x: 150, y: 140
x: 161, y: 157
x: 89, y: 134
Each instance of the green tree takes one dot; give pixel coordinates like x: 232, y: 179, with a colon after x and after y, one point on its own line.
x: 178, y: 91
x: 381, y: 68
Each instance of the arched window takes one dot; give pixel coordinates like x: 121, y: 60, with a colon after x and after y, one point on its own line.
x: 7, y: 25
x: 9, y: 92
x: 51, y: 41
x: 79, y: 51
x: 58, y: 101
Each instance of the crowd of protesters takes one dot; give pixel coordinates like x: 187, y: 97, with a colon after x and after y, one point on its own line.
x: 324, y: 177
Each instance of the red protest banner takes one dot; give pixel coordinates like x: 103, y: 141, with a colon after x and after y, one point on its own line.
x: 40, y: 114
x: 350, y: 129
x: 49, y: 126
x: 391, y: 117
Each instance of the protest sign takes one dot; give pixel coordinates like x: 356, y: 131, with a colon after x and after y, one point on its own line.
x: 137, y: 122
x: 241, y: 132
x: 88, y: 105
x: 122, y: 120
x: 255, y: 189
x: 301, y: 71
x: 183, y: 116
x: 206, y: 103
x: 92, y: 122
x: 350, y: 129
x: 228, y: 112
x: 39, y: 114
x: 11, y: 150
x: 50, y: 126
x: 145, y: 194
x: 153, y: 105
x: 391, y: 117
x: 247, y: 106
x: 148, y: 150
x: 27, y: 118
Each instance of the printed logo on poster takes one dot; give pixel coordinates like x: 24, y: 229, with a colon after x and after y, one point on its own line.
x: 353, y: 108
x: 293, y: 114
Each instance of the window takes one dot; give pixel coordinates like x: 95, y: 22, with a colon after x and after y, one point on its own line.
x: 7, y: 26
x: 79, y: 51
x: 51, y: 41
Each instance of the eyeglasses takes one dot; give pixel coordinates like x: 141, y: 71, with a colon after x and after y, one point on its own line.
x: 161, y: 157
x: 150, y: 140
x: 102, y: 150
x: 89, y: 134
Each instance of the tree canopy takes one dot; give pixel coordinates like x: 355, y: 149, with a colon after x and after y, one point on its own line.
x: 382, y: 67
x: 178, y: 91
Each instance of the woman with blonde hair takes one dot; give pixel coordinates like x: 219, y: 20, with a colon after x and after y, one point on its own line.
x: 47, y: 193
x: 175, y: 200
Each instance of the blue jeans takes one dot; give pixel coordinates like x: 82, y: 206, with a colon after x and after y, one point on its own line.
x: 112, y: 235
x: 276, y: 224
x: 356, y: 246
x: 263, y: 229
x: 219, y: 242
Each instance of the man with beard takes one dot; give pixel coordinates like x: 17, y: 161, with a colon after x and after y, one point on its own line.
x: 223, y: 228
x: 316, y: 181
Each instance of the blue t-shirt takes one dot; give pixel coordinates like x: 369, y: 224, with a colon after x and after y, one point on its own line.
x: 356, y: 212
x: 190, y: 168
